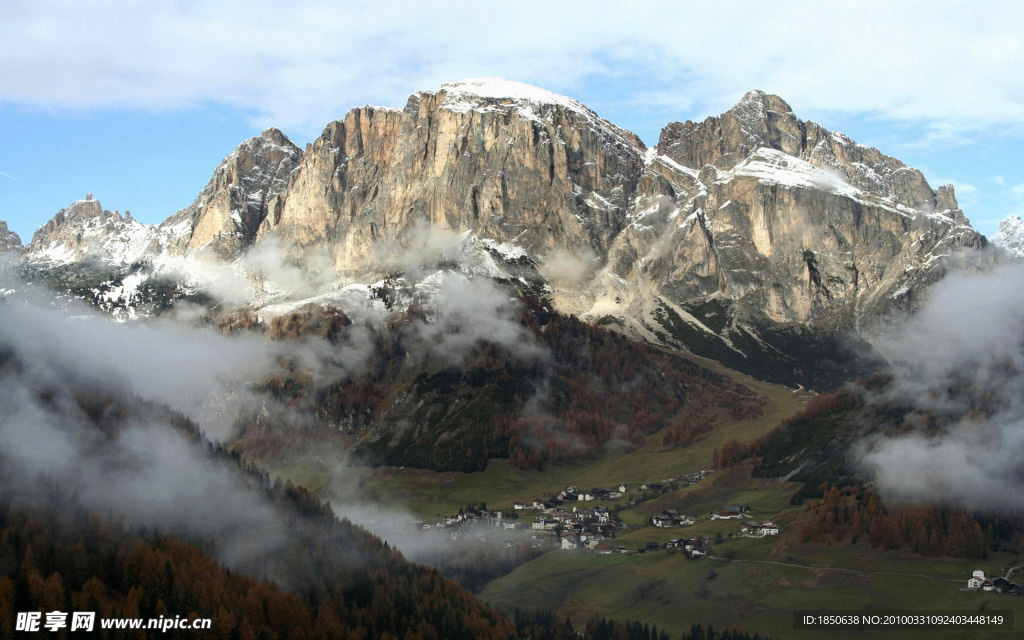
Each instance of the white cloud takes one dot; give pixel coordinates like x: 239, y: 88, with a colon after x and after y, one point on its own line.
x: 942, y: 62
x: 960, y: 357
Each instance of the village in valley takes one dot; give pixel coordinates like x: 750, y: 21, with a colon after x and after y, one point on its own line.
x: 588, y: 519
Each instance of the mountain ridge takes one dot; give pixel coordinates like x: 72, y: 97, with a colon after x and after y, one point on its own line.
x: 724, y: 232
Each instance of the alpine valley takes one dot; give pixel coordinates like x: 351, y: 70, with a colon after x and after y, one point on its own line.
x: 639, y: 390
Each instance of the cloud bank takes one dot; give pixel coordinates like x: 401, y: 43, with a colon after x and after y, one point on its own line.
x: 961, y: 359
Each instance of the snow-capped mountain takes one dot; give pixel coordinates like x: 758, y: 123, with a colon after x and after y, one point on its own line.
x: 726, y: 232
x: 1010, y: 236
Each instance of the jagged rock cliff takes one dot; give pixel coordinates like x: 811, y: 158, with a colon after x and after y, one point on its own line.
x: 724, y: 232
x: 245, y: 188
x: 503, y: 160
x: 85, y: 232
x: 786, y: 222
x: 9, y: 241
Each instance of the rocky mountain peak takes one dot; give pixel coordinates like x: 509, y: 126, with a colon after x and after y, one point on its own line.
x: 1010, y: 236
x: 9, y: 241
x: 761, y: 120
x: 499, y: 158
x: 470, y: 94
x: 85, y: 230
x: 528, y: 101
x: 731, y: 228
x: 275, y: 136
x: 79, y: 213
x: 761, y: 114
x: 244, y: 189
x: 945, y: 198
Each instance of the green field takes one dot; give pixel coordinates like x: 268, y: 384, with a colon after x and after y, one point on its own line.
x: 753, y: 583
x: 665, y: 589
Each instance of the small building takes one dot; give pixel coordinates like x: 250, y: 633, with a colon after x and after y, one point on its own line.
x: 544, y: 524
x: 662, y: 521
x: 769, y: 529
x: 977, y: 579
x: 726, y: 513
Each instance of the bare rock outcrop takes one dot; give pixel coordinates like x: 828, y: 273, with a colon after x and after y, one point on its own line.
x: 9, y: 241
x: 226, y: 216
x: 85, y: 231
x: 502, y: 160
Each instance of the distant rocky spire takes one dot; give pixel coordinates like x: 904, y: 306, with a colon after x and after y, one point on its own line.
x: 9, y: 241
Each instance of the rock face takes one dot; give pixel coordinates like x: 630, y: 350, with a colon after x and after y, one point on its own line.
x: 760, y: 120
x: 9, y: 241
x: 226, y: 216
x: 85, y: 231
x: 783, y: 220
x: 788, y: 221
x: 726, y: 231
x: 500, y: 159
x: 1010, y: 236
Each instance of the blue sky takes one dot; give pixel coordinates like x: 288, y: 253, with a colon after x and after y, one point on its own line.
x: 137, y: 103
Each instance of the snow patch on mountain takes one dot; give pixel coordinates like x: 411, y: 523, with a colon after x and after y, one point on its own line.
x: 777, y: 167
x: 1010, y: 236
x: 532, y: 103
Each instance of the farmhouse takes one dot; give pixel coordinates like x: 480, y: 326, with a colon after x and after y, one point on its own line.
x: 728, y: 513
x: 662, y: 521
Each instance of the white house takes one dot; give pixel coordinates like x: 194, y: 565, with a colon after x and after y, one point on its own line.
x: 769, y: 529
x: 662, y: 521
x: 977, y: 579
